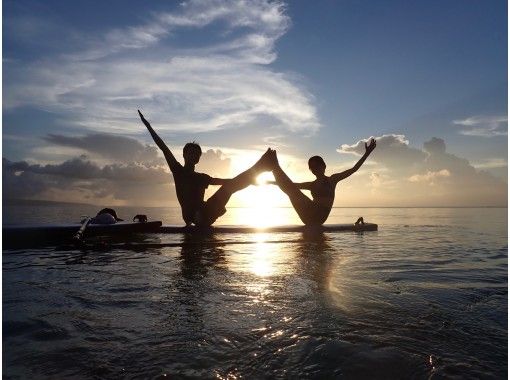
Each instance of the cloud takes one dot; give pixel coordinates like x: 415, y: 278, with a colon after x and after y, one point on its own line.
x: 223, y: 84
x: 129, y: 150
x: 266, y: 21
x: 429, y: 176
x: 109, y: 146
x: 81, y: 168
x: 408, y: 176
x: 484, y: 126
x: 435, y: 146
x: 491, y: 163
x: 81, y: 176
x: 392, y: 150
x: 214, y: 163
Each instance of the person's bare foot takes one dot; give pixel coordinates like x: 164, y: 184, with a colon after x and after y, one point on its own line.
x: 264, y: 163
x: 274, y: 160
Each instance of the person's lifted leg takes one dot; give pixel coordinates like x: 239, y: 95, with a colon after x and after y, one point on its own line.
x: 304, y: 206
x: 215, y: 206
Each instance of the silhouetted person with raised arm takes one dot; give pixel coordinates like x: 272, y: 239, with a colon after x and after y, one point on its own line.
x: 314, y: 211
x: 190, y: 185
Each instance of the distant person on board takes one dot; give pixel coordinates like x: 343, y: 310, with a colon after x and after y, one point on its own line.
x: 190, y: 185
x: 314, y: 211
x: 106, y: 216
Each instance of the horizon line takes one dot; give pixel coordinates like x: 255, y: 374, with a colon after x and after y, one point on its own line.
x: 12, y: 202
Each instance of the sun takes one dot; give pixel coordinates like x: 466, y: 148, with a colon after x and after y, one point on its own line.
x: 264, y: 178
x: 262, y: 204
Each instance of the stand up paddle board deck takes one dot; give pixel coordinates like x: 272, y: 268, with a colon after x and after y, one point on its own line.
x: 175, y: 229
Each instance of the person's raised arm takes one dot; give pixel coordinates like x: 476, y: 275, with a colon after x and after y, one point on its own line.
x: 170, y: 159
x: 340, y: 176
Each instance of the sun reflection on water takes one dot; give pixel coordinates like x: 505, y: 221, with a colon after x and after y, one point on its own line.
x: 262, y: 261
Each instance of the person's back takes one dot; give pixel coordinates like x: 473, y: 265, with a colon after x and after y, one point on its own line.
x: 190, y: 188
x: 323, y: 194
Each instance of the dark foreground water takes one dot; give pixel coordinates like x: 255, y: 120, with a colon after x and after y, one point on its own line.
x: 424, y: 297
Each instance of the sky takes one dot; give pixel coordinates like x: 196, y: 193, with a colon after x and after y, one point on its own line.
x: 427, y: 79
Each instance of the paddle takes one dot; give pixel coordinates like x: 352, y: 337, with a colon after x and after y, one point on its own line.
x: 79, y: 235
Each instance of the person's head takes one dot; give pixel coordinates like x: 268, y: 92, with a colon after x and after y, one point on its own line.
x: 110, y: 211
x: 317, y: 165
x: 192, y: 153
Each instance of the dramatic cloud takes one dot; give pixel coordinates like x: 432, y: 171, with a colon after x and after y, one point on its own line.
x: 484, y: 126
x: 80, y: 168
x: 81, y: 179
x: 405, y: 175
x: 81, y: 176
x: 224, y: 84
x: 392, y: 150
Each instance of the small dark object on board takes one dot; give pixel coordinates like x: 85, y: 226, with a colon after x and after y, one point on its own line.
x: 140, y: 218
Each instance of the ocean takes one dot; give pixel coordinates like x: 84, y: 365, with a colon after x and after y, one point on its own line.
x: 425, y: 297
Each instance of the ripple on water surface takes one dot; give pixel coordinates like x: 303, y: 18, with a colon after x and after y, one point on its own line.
x: 430, y: 302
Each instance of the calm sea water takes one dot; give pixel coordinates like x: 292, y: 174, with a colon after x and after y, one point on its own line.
x: 424, y: 297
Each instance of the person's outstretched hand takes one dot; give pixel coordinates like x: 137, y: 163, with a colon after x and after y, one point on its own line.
x: 143, y: 119
x: 369, y: 148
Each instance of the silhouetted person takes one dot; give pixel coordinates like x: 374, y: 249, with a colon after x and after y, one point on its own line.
x: 314, y: 211
x: 190, y: 185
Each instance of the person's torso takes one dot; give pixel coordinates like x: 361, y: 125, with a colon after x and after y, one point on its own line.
x: 190, y: 187
x: 323, y: 192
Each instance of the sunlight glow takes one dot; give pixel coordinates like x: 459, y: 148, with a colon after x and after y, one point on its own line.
x: 260, y: 205
x: 262, y: 202
x: 262, y: 199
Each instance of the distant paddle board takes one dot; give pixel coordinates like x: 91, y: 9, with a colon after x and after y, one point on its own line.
x: 34, y: 234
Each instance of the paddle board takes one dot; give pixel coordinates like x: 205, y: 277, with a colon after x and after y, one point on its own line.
x: 36, y: 234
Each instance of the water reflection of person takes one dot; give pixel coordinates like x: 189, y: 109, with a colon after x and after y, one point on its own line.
x: 199, y: 253
x: 190, y: 289
x: 316, y: 256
